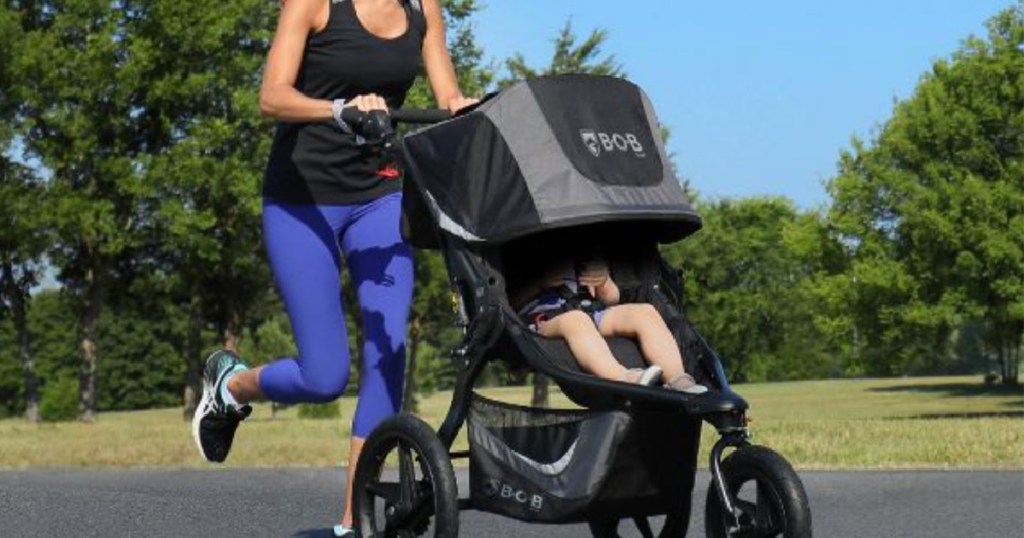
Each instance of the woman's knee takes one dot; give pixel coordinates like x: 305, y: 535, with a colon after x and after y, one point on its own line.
x: 320, y: 388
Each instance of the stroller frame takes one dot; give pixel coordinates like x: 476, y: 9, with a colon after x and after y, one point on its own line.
x: 490, y: 322
x: 425, y: 492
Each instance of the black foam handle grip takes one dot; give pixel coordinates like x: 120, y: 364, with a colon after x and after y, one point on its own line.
x: 353, y: 115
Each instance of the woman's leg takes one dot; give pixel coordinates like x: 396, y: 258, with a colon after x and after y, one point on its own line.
x: 381, y: 266
x: 645, y: 324
x: 588, y: 347
x: 302, y: 247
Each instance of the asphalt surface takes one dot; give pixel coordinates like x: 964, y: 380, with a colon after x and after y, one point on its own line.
x: 303, y: 504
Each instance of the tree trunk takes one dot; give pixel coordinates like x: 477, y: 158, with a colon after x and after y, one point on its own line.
x: 28, y: 370
x: 193, y: 358
x: 540, y: 390
x: 1009, y: 355
x: 18, y: 296
x: 232, y: 328
x: 409, y: 403
x: 87, y: 348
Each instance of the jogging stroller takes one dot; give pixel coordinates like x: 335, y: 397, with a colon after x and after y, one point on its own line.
x: 554, y: 167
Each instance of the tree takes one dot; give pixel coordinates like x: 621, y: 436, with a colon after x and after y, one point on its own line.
x: 78, y: 109
x: 751, y: 287
x: 23, y: 237
x: 933, y: 210
x: 568, y: 57
x: 203, y: 83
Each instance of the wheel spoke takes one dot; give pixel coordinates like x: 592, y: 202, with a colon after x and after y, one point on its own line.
x: 765, y: 511
x: 389, y: 491
x: 414, y: 515
x: 406, y: 476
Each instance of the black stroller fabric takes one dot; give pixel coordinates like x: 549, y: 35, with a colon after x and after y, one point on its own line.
x: 562, y: 466
x: 549, y: 153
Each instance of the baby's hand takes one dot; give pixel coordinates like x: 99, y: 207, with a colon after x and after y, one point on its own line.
x: 593, y: 274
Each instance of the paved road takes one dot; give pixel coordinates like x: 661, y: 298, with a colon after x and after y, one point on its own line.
x: 301, y: 503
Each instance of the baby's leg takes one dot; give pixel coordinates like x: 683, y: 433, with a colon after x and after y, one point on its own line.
x: 645, y: 324
x: 587, y: 345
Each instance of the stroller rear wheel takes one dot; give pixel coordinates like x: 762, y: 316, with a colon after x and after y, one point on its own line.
x: 401, y: 503
x: 768, y: 494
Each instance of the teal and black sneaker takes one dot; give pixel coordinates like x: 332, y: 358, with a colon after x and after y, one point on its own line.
x: 215, y: 422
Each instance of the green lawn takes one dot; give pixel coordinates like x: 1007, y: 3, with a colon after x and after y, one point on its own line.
x: 909, y: 423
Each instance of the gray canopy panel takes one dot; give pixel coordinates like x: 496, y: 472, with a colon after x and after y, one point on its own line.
x: 550, y: 153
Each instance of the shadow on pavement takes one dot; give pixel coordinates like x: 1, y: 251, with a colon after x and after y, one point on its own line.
x: 314, y: 533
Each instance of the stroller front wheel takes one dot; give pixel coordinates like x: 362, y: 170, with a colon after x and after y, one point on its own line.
x: 768, y: 494
x: 401, y: 502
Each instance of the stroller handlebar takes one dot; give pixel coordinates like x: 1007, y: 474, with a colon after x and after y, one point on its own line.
x: 355, y: 116
x: 376, y: 126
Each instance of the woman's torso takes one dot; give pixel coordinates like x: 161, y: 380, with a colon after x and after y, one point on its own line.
x: 318, y: 162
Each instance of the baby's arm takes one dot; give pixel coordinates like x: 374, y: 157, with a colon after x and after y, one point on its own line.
x: 551, y: 278
x: 607, y: 293
x: 596, y: 276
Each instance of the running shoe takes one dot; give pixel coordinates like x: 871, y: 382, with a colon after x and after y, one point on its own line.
x: 215, y: 422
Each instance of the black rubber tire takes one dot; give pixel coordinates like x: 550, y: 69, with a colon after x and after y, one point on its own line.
x: 780, y: 507
x: 430, y: 494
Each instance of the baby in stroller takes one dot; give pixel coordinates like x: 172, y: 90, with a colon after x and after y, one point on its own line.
x: 580, y: 303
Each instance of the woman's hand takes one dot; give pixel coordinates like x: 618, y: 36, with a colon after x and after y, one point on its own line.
x: 458, y: 103
x: 368, y: 102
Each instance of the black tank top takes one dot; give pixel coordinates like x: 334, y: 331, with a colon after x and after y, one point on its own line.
x: 318, y: 163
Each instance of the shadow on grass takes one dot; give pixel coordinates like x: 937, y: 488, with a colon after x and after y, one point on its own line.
x: 954, y: 389
x: 966, y: 415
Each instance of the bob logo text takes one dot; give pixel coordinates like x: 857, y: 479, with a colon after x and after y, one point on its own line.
x: 597, y: 142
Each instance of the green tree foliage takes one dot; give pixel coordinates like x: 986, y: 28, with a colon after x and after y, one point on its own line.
x: 568, y: 57
x: 202, y: 83
x: 23, y: 227
x: 932, y: 211
x: 752, y: 281
x: 79, y: 72
x: 59, y: 403
x: 330, y: 410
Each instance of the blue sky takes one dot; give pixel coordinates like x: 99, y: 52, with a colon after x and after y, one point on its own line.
x: 760, y: 96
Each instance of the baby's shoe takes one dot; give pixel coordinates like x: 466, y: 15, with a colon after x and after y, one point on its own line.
x: 643, y: 376
x: 685, y: 383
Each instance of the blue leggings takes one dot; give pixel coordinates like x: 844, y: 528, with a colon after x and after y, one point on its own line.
x: 302, y: 243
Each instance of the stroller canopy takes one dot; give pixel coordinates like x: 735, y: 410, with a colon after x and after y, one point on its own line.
x: 550, y: 153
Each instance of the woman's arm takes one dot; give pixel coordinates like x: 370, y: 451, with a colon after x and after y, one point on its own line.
x: 438, y: 62
x: 278, y: 97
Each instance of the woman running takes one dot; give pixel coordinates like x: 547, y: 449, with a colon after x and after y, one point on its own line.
x: 329, y: 197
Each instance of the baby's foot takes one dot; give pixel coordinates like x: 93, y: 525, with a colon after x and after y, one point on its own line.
x: 685, y: 383
x: 646, y: 377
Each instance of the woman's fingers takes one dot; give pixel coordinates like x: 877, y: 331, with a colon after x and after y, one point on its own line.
x: 460, y: 102
x: 368, y: 102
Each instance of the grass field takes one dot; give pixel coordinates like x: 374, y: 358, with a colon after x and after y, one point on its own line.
x: 908, y: 423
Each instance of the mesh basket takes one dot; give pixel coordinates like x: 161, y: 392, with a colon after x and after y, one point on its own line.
x: 562, y: 466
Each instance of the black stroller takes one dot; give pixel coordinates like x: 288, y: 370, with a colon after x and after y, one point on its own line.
x: 558, y: 167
